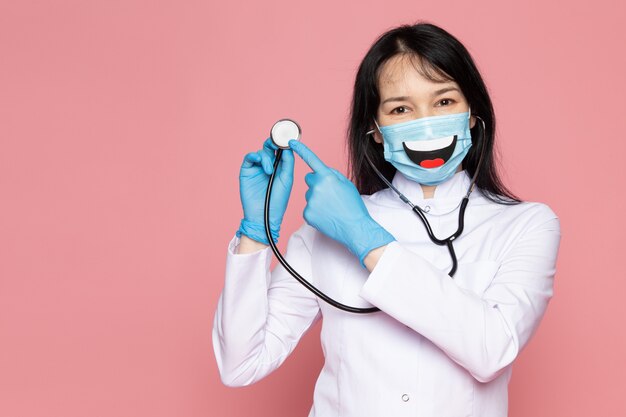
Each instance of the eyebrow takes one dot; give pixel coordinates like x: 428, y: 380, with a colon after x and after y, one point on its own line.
x: 445, y: 90
x: 403, y: 98
x: 435, y: 93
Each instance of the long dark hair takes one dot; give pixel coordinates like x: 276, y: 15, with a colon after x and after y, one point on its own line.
x: 442, y: 57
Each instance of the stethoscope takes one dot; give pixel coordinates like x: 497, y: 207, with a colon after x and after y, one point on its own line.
x: 285, y: 130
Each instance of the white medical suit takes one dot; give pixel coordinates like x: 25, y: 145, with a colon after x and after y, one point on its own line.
x: 440, y: 347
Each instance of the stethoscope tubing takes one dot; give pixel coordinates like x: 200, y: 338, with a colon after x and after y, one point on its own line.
x: 448, y: 241
x: 420, y: 213
x: 284, y: 262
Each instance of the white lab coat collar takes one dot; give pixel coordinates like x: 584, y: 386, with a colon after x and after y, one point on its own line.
x: 446, y: 198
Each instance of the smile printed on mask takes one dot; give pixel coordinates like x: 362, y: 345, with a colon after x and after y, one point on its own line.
x: 430, y: 153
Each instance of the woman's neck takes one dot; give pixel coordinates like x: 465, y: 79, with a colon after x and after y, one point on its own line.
x: 429, y: 190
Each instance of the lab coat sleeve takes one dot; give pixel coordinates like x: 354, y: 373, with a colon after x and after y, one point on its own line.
x: 261, y: 315
x: 483, y: 334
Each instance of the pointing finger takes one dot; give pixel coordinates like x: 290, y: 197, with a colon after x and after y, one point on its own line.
x: 308, y: 156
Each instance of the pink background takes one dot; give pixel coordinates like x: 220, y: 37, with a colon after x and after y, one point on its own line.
x: 122, y: 128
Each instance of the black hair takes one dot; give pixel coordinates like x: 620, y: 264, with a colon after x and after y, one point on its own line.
x: 440, y: 57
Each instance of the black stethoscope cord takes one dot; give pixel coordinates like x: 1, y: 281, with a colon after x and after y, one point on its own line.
x: 286, y: 265
x: 418, y: 211
x: 448, y: 241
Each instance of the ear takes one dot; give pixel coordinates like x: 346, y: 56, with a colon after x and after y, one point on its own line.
x: 377, y: 136
x: 472, y: 122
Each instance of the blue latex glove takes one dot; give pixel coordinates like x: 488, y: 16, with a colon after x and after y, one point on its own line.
x: 335, y: 207
x: 253, y: 178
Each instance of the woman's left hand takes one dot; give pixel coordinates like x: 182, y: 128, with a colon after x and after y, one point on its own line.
x: 335, y: 207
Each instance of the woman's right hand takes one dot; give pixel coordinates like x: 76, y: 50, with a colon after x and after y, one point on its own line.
x: 253, y: 179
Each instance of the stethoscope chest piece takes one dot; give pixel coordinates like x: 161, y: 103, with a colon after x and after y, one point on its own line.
x: 283, y: 131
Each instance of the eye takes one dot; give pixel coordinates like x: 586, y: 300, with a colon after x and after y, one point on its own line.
x: 399, y: 110
x: 445, y: 102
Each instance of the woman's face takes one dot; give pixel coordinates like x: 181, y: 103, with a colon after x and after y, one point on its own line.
x: 405, y: 94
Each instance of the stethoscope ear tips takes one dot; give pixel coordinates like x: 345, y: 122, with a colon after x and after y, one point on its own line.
x: 283, y: 131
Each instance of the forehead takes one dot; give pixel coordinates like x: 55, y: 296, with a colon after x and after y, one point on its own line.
x: 409, y: 72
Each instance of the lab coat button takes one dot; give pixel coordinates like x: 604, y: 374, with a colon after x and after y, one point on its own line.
x: 405, y: 397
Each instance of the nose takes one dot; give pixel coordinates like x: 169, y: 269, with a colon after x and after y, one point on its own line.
x: 425, y: 111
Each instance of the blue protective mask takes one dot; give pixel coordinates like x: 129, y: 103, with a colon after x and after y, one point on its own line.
x: 428, y: 150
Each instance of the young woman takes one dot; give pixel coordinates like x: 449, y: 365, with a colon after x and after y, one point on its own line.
x: 453, y: 314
